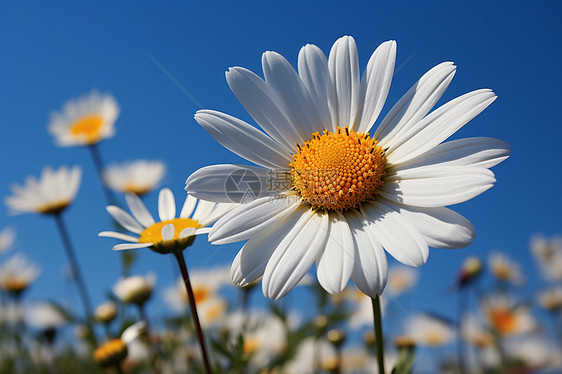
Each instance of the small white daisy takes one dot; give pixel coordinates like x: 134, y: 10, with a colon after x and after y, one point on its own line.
x: 50, y: 194
x: 551, y: 300
x: 137, y: 177
x: 45, y: 316
x: 170, y: 234
x: 17, y: 274
x: 7, y: 239
x: 332, y: 192
x: 505, y: 269
x: 429, y: 330
x: 401, y: 279
x: 548, y: 252
x: 135, y: 289
x: 85, y: 121
x: 505, y: 317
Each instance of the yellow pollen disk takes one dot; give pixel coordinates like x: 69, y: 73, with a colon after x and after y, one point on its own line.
x: 153, y: 233
x: 135, y: 188
x: 504, y: 321
x: 88, y: 127
x: 338, y: 171
x: 53, y: 208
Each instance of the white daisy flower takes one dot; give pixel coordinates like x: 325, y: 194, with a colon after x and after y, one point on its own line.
x: 135, y: 289
x: 170, y: 234
x: 548, y: 252
x: 17, y: 274
x: 332, y: 192
x: 50, y: 194
x: 505, y: 269
x: 505, y: 317
x: 401, y: 279
x: 429, y: 330
x: 85, y: 121
x: 551, y: 299
x: 7, y: 239
x: 45, y: 316
x: 137, y: 177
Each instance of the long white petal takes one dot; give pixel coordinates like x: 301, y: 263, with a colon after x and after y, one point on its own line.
x: 335, y: 263
x: 344, y: 70
x: 188, y: 231
x: 118, y: 235
x: 264, y: 105
x: 370, y: 268
x: 166, y: 205
x: 219, y: 210
x: 244, y: 140
x: 294, y: 256
x: 416, y: 103
x: 435, y: 186
x: 139, y: 211
x: 124, y: 219
x: 479, y: 152
x: 204, y: 208
x: 228, y: 183
x: 125, y: 246
x: 246, y: 220
x: 250, y: 262
x: 397, y: 235
x: 375, y: 85
x: 441, y: 227
x: 188, y: 206
x: 439, y: 125
x: 313, y: 70
x: 302, y: 110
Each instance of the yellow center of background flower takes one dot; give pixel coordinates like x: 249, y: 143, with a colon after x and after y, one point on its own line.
x: 504, y: 321
x: 88, y: 127
x: 153, y: 233
x: 338, y: 171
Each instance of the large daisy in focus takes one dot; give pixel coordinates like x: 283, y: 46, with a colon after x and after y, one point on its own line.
x: 333, y: 191
x: 50, y: 194
x: 169, y: 234
x: 85, y: 121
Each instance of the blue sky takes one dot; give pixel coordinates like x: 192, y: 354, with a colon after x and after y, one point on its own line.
x: 53, y: 51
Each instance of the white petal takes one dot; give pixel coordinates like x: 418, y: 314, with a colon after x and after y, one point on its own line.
x: 188, y: 231
x: 335, y: 263
x: 203, y: 210
x: 188, y: 206
x: 230, y: 183
x: 166, y: 205
x: 313, y: 70
x: 397, y: 235
x: 294, y: 256
x: 118, y: 235
x: 264, y: 105
x: 244, y: 140
x: 435, y: 186
x: 416, y: 103
x: 202, y: 230
x: 441, y: 227
x: 375, y: 85
x: 480, y: 152
x: 246, y: 220
x: 344, y: 70
x: 219, y: 210
x: 168, y: 232
x: 302, y: 110
x: 138, y: 210
x: 370, y: 270
x: 438, y: 125
x: 251, y: 260
x: 125, y: 246
x: 124, y: 219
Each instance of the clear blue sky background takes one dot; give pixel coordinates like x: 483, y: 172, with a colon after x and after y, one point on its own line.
x: 53, y: 51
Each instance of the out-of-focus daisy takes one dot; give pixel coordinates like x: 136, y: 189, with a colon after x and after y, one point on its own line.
x: 474, y: 332
x: 169, y: 234
x: 45, y: 316
x: 311, y: 356
x: 548, y: 252
x: 137, y: 177
x: 471, y: 268
x: 50, y: 194
x: 135, y: 289
x: 362, y: 309
x: 331, y: 192
x: 401, y: 279
x: 205, y: 284
x: 537, y: 353
x: 551, y: 300
x: 505, y: 317
x: 85, y: 121
x: 17, y: 274
x: 429, y: 330
x: 106, y: 312
x: 7, y: 239
x: 113, y: 352
x: 505, y: 269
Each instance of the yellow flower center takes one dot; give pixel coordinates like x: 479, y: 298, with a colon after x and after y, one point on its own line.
x: 503, y: 320
x: 88, y: 127
x: 15, y: 285
x: 53, y: 208
x: 153, y: 233
x: 132, y: 187
x: 200, y: 294
x: 434, y: 338
x: 338, y: 171
x: 251, y: 344
x: 111, y: 353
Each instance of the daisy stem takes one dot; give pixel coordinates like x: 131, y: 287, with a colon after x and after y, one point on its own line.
x: 76, y: 273
x: 378, y: 332
x: 193, y: 306
x: 461, y: 306
x: 98, y: 163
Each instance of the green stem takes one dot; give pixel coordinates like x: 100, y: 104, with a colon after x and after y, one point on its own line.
x: 378, y: 332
